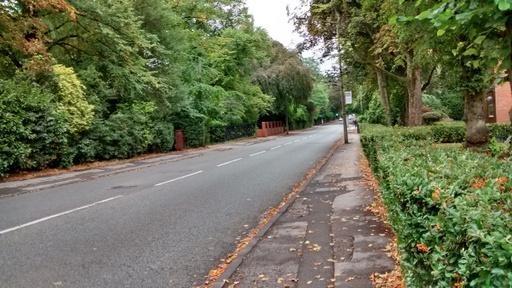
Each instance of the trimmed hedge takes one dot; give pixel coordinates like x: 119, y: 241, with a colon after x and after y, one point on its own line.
x: 445, y: 132
x: 450, y: 208
x: 220, y: 132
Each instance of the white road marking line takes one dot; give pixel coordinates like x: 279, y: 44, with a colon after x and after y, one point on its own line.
x: 257, y: 153
x: 58, y: 215
x: 179, y: 178
x: 229, y: 162
x: 296, y: 141
x: 277, y: 147
x: 30, y: 188
x: 287, y: 143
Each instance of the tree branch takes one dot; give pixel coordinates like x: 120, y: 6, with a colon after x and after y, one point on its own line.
x: 426, y: 84
x: 372, y: 64
x: 61, y: 40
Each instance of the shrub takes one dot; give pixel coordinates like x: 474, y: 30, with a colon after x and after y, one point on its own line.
x: 219, y: 131
x: 450, y: 209
x: 375, y: 113
x: 501, y: 131
x: 33, y: 133
x: 216, y: 131
x: 128, y: 132
x: 194, y: 127
x: 435, y: 104
x: 164, y: 137
x: 449, y: 133
x: 71, y: 99
x: 432, y: 117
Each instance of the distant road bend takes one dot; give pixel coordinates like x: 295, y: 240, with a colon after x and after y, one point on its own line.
x: 163, y: 225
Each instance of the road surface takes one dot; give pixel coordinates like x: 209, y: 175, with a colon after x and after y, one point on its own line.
x: 160, y: 226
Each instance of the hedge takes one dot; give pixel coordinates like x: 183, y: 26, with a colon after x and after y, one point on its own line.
x: 220, y: 131
x: 445, y: 132
x: 450, y: 208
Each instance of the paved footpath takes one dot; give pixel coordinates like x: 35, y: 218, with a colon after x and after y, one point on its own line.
x: 327, y: 238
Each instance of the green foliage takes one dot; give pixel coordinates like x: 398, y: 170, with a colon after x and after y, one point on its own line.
x: 434, y: 103
x: 194, y: 127
x: 111, y: 79
x: 449, y: 133
x: 375, y: 113
x: 430, y: 118
x: 129, y: 132
x: 497, y: 149
x: 33, y: 132
x: 449, y: 207
x: 71, y: 101
x: 454, y: 104
x: 501, y: 132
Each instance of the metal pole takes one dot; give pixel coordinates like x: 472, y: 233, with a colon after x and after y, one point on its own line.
x: 340, y: 62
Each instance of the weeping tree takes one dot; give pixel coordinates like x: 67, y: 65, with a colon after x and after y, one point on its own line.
x: 286, y: 79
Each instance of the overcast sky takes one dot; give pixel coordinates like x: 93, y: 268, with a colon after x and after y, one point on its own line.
x: 271, y: 15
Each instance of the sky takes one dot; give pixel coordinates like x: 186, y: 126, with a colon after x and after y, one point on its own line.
x: 272, y: 16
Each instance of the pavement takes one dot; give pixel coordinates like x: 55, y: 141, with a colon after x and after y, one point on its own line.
x: 160, y: 222
x: 326, y: 238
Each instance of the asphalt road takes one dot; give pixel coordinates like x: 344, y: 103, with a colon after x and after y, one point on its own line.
x: 160, y: 226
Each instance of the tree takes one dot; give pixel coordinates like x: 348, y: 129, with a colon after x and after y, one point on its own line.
x: 285, y: 78
x: 477, y: 44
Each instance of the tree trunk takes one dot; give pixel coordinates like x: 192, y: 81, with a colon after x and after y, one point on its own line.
x: 414, y: 101
x: 477, y: 133
x: 383, y: 92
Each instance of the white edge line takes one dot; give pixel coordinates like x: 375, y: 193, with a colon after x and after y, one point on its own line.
x: 288, y: 143
x: 229, y: 162
x: 57, y: 215
x: 279, y: 146
x: 257, y: 153
x: 179, y: 178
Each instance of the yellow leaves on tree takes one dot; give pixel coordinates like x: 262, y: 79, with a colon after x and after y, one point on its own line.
x: 72, y: 101
x: 23, y: 29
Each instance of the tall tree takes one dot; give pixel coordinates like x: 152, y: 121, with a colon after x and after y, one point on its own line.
x: 285, y: 78
x: 477, y: 44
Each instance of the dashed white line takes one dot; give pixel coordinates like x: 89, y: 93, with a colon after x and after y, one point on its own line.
x: 57, y: 215
x: 179, y: 178
x: 277, y: 147
x: 229, y: 162
x: 296, y: 141
x: 257, y: 153
x: 287, y: 143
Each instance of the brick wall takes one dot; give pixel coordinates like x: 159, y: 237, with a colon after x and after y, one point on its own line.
x: 503, y: 103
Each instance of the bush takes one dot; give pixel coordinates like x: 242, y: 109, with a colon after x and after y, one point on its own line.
x: 449, y: 132
x: 375, y: 113
x: 216, y: 131
x: 128, y: 132
x: 501, y: 131
x: 432, y: 117
x: 164, y: 137
x: 194, y: 127
x: 435, y: 104
x: 220, y: 132
x: 33, y: 133
x: 450, y: 209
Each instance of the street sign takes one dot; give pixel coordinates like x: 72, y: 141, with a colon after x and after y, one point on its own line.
x: 348, y: 97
